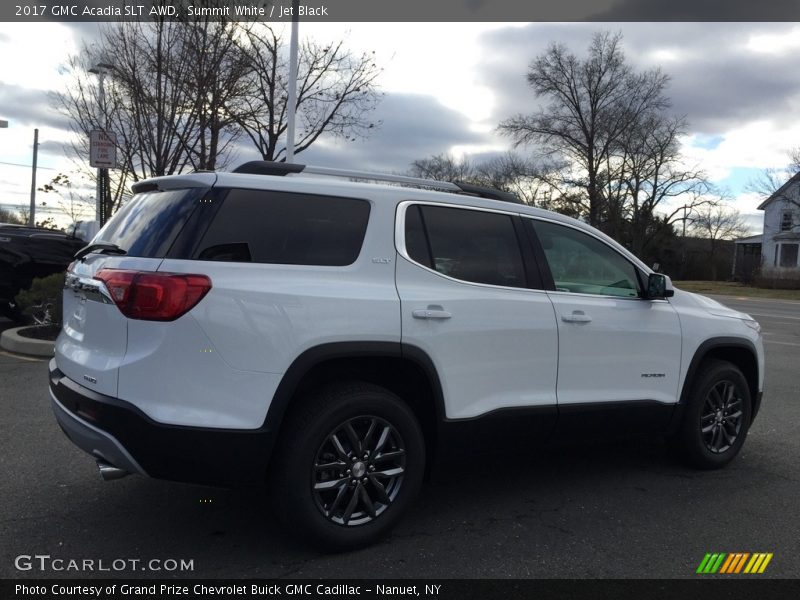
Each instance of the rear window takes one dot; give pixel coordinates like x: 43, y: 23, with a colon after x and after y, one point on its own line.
x: 149, y: 223
x: 286, y: 228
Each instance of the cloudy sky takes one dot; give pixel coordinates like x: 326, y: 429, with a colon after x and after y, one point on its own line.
x: 447, y: 86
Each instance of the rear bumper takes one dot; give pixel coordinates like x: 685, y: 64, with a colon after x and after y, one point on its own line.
x: 95, y: 441
x: 119, y: 434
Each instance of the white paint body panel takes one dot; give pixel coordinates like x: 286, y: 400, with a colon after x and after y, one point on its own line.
x: 499, y: 349
x: 704, y: 319
x: 604, y: 360
x: 260, y: 317
x: 173, y: 373
x: 94, y: 335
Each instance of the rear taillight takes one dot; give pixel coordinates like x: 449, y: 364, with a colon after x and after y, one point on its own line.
x: 154, y: 296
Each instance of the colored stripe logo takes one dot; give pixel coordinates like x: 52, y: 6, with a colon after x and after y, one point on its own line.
x: 734, y: 563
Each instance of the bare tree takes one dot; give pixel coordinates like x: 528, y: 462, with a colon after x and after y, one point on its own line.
x: 24, y: 214
x: 9, y: 216
x: 523, y: 177
x: 716, y: 222
x: 218, y: 82
x: 770, y: 180
x: 767, y: 182
x: 444, y: 167
x: 80, y: 102
x: 794, y: 159
x: 72, y: 204
x: 154, y: 86
x: 509, y: 172
x: 182, y: 93
x: 648, y: 188
x: 336, y: 92
x: 592, y: 103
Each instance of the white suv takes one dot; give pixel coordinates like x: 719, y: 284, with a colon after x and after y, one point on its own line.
x: 332, y: 337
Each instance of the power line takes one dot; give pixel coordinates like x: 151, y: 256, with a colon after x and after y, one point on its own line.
x: 27, y: 166
x: 47, y: 208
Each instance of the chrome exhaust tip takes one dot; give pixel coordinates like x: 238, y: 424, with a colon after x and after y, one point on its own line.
x: 109, y: 472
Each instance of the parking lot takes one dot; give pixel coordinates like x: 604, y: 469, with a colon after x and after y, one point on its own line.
x: 623, y: 510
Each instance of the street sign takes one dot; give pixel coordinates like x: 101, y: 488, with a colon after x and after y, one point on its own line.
x: 103, y: 149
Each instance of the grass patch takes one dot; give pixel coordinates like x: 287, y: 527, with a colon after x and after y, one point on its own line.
x: 732, y: 288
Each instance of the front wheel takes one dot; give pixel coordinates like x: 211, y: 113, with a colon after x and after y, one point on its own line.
x: 717, y: 416
x: 351, y: 460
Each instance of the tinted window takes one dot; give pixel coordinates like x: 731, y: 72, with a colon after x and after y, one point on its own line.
x: 471, y: 245
x: 148, y: 224
x: 416, y: 240
x: 284, y: 228
x: 583, y: 264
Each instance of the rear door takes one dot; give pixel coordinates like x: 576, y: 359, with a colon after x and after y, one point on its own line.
x: 467, y: 289
x: 93, y: 340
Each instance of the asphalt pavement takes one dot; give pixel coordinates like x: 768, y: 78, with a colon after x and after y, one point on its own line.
x: 626, y: 510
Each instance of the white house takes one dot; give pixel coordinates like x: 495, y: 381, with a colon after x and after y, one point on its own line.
x: 781, y: 241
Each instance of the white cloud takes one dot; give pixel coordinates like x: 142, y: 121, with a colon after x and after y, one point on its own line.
x: 775, y: 43
x: 32, y: 53
x: 437, y: 59
x: 758, y: 144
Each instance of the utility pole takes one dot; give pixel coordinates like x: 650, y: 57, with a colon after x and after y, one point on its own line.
x: 292, y: 82
x: 100, y: 70
x: 32, y: 215
x: 683, y: 246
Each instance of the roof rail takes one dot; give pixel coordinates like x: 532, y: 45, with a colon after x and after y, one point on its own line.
x: 265, y: 167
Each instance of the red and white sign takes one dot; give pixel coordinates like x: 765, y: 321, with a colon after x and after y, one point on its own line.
x: 103, y: 149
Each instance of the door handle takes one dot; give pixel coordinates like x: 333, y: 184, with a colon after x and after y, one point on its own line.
x: 577, y: 316
x: 432, y: 312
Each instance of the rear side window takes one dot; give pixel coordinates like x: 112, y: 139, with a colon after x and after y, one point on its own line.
x: 471, y: 245
x: 149, y: 223
x: 286, y: 228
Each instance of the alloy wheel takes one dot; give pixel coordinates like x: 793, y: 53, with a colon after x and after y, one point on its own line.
x: 721, y: 418
x: 358, y: 470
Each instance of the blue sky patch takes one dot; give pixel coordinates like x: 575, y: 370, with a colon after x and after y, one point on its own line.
x: 707, y: 142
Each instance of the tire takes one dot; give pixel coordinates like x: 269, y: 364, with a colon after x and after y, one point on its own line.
x: 717, y: 416
x: 326, y: 491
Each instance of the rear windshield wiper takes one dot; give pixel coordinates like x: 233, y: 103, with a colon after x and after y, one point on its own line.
x: 101, y: 248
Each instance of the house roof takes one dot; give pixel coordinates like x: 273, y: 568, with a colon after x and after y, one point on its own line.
x: 753, y: 239
x: 779, y: 193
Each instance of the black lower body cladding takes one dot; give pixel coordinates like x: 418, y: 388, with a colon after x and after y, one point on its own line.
x: 222, y: 457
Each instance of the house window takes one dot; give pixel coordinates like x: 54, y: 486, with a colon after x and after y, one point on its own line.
x: 786, y: 220
x: 789, y: 255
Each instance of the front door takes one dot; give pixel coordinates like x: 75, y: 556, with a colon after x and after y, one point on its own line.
x: 619, y: 355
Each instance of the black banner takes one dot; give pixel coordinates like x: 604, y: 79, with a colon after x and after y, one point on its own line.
x: 444, y: 589
x: 342, y: 11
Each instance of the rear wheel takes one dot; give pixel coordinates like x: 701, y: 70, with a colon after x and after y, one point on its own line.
x: 717, y: 416
x: 351, y: 460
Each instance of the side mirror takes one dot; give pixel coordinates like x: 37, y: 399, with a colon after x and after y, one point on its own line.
x: 659, y: 286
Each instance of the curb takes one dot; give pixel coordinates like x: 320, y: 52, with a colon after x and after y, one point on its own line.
x: 13, y: 342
